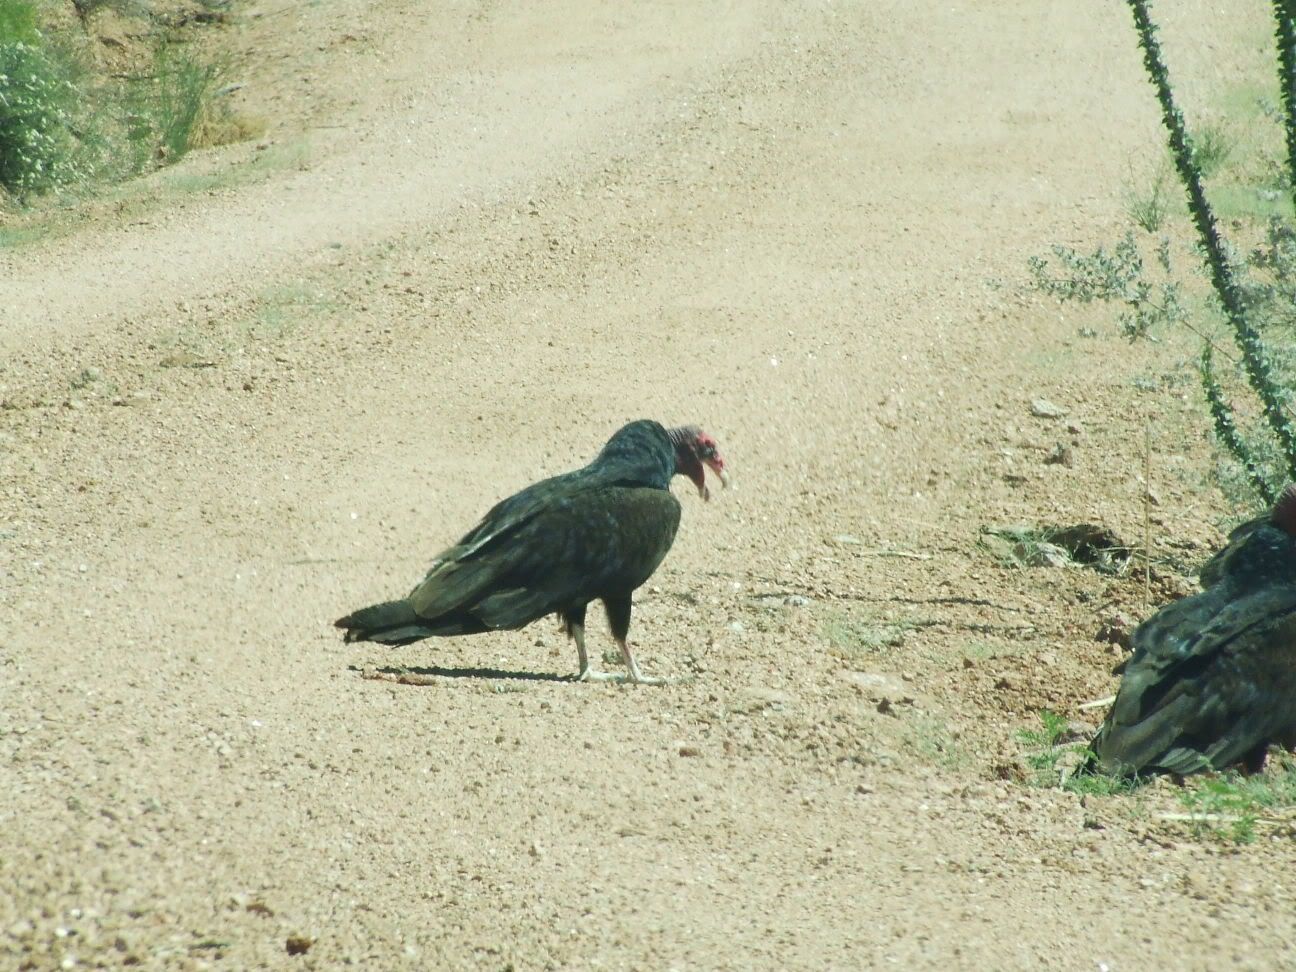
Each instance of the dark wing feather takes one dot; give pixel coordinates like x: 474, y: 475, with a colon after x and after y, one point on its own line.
x: 1258, y: 553
x: 1211, y: 678
x: 639, y: 454
x: 552, y: 556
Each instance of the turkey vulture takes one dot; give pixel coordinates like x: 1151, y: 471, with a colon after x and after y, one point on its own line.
x: 596, y: 533
x: 1212, y: 680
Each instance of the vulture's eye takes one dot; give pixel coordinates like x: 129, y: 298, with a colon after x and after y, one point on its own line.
x: 707, y: 451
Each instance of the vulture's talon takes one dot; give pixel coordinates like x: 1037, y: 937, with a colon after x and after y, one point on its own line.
x: 592, y: 675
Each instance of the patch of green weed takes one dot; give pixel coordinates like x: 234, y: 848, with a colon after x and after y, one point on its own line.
x: 1151, y: 207
x: 1231, y: 806
x: 16, y: 236
x: 1091, y: 783
x: 264, y: 163
x: 281, y: 309
x: 852, y: 637
x: 931, y: 740
x: 1211, y: 147
x: 1243, y: 201
x: 1046, y: 755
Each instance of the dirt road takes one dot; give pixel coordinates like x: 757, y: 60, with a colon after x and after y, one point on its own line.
x: 236, y: 412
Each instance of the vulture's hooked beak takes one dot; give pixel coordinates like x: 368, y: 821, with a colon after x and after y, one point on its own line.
x: 717, y: 466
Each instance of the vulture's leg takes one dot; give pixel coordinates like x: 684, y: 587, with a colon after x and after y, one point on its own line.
x: 575, y: 623
x: 1254, y: 761
x: 618, y: 613
x: 636, y: 676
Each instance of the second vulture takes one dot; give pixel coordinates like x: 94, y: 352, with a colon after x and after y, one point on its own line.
x: 596, y: 533
x: 1212, y: 680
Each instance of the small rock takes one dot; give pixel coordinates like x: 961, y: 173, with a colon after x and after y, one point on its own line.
x: 1010, y: 771
x: 1076, y: 731
x: 535, y: 850
x: 881, y: 687
x: 298, y: 944
x: 690, y: 751
x: 1116, y: 628
x: 1043, y: 408
x: 1070, y: 761
x: 1045, y: 555
x: 772, y: 602
x: 185, y: 359
x: 1061, y: 455
x: 757, y: 699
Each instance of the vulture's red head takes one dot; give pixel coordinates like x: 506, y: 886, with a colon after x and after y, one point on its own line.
x: 696, y: 452
x: 1284, y: 511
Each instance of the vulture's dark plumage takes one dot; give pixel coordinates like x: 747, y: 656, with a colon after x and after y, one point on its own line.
x: 1212, y: 680
x: 593, y: 534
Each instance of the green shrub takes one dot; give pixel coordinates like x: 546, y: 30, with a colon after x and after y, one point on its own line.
x: 60, y: 126
x: 184, y: 88
x: 1251, y: 295
x: 18, y: 22
x: 39, y: 100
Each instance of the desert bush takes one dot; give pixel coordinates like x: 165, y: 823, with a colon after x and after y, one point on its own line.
x: 181, y: 92
x: 60, y: 125
x: 1249, y: 301
x: 39, y: 100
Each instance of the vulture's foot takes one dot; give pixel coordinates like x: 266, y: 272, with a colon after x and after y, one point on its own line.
x: 632, y: 668
x: 635, y: 677
x: 588, y: 674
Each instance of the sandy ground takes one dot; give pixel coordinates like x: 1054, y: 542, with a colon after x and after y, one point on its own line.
x: 478, y: 237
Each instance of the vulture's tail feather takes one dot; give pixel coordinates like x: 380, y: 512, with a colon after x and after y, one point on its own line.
x: 395, y: 623
x: 391, y: 623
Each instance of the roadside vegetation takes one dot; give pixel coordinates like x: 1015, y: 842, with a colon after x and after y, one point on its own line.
x: 1239, y: 809
x: 1236, y: 294
x: 73, y: 117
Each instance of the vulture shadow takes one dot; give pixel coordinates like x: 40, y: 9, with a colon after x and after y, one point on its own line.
x: 489, y: 673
